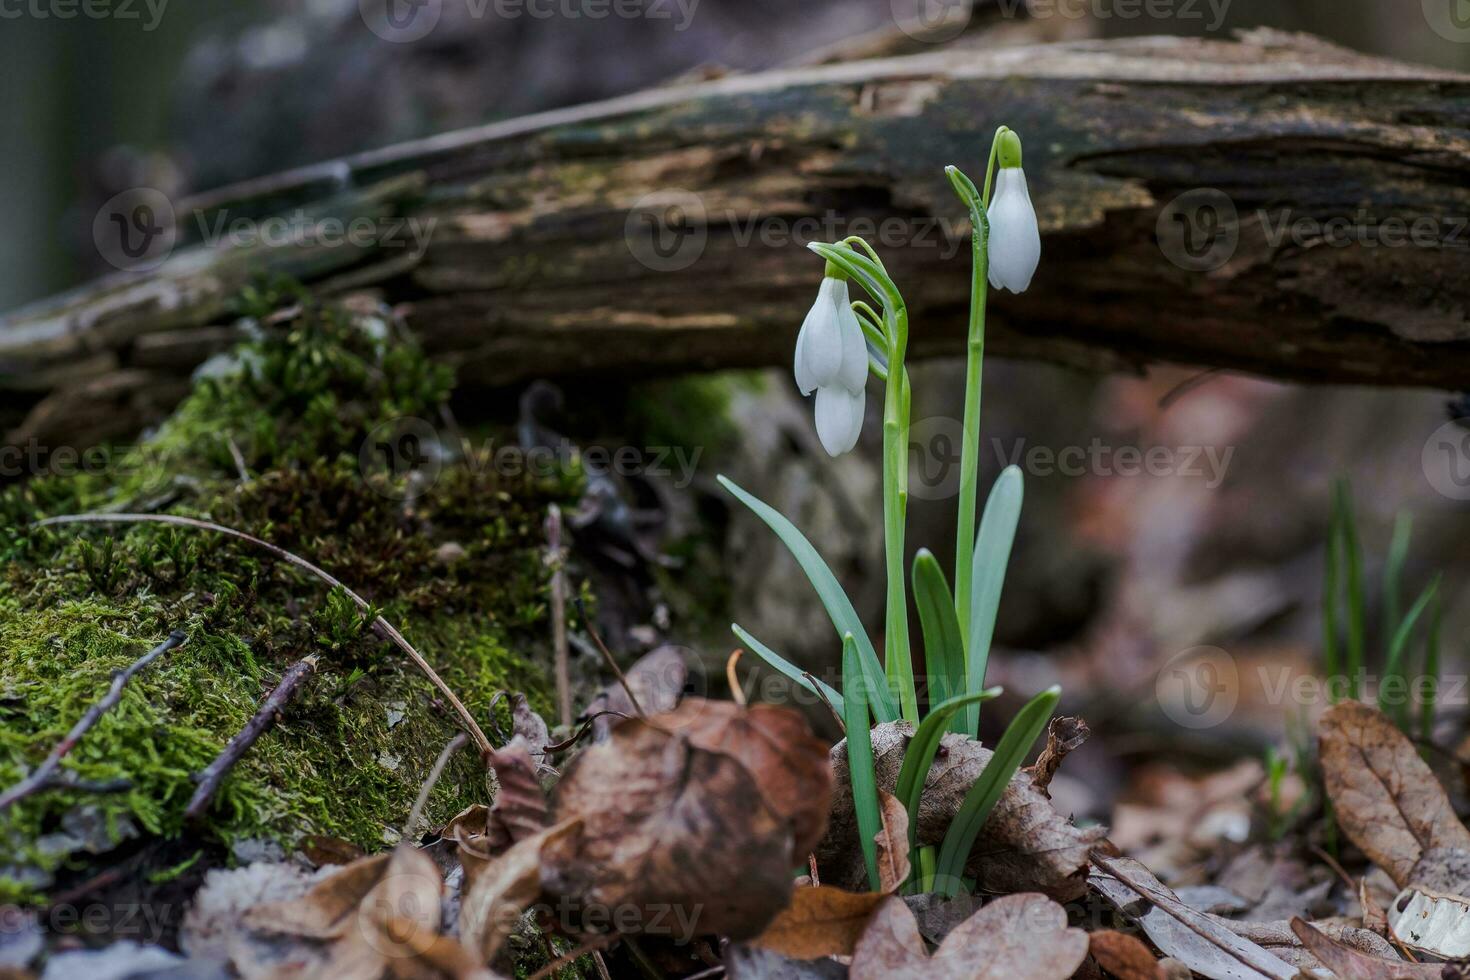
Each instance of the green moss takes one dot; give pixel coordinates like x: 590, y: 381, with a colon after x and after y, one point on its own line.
x: 457, y: 569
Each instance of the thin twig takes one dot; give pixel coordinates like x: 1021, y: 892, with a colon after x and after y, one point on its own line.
x: 384, y: 628
x: 607, y: 655
x: 455, y: 744
x: 595, y: 945
x: 43, y: 773
x: 556, y: 557
x: 810, y: 679
x: 562, y: 746
x: 239, y: 459
x: 211, y: 776
x: 736, y: 691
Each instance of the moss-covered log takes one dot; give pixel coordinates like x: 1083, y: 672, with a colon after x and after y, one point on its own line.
x: 663, y: 231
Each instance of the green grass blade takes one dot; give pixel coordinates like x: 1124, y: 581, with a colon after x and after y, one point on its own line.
x: 1010, y: 752
x: 1393, y: 570
x: 1352, y: 555
x: 1431, y: 672
x: 860, y: 757
x: 992, y: 554
x: 1394, y: 668
x: 779, y: 663
x: 919, y: 755
x: 944, y: 647
x: 834, y: 600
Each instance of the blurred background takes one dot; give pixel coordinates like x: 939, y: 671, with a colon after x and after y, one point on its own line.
x: 1119, y: 570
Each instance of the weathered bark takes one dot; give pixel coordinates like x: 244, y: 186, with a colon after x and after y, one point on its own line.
x: 533, y: 264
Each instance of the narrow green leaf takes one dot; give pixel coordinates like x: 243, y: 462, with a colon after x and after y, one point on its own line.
x: 1394, y: 668
x: 1431, y: 672
x: 944, y: 647
x: 860, y: 757
x: 1010, y: 752
x: 919, y: 755
x: 779, y: 663
x: 992, y: 554
x: 1393, y: 569
x: 839, y: 608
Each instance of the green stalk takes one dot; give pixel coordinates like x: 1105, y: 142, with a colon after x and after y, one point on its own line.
x: 860, y: 757
x: 896, y: 658
x: 974, y: 371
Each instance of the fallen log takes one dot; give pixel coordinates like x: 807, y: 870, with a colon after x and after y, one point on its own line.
x: 1273, y: 205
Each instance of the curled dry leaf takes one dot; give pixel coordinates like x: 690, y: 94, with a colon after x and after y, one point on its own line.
x: 691, y: 815
x: 526, y: 724
x: 1063, y: 736
x: 1385, y: 796
x: 1018, y: 937
x: 1431, y: 922
x: 1123, y: 956
x: 893, y: 843
x: 519, y: 810
x: 504, y: 888
x: 1347, y: 963
x: 1025, y: 845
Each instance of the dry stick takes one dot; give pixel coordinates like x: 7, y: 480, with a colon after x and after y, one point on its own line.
x: 556, y: 558
x: 455, y: 744
x: 211, y: 776
x: 607, y: 655
x: 384, y: 628
x: 43, y: 773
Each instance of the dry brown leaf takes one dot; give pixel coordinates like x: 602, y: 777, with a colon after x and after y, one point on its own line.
x: 776, y: 746
x: 1017, y: 937
x: 1347, y: 963
x: 322, y: 851
x: 1063, y: 736
x: 504, y: 888
x: 893, y: 844
x: 528, y: 725
x: 1025, y: 845
x: 820, y: 921
x: 327, y: 910
x: 1123, y: 956
x: 657, y: 680
x: 519, y: 810
x: 1385, y: 796
x: 670, y: 826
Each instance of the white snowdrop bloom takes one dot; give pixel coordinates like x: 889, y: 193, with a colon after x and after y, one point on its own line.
x: 839, y: 418
x: 1015, y: 240
x: 819, y: 345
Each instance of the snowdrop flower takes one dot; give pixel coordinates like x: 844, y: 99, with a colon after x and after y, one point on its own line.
x: 832, y: 360
x: 1015, y: 241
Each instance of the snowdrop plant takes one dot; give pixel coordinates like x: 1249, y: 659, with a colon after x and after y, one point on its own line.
x: 841, y: 343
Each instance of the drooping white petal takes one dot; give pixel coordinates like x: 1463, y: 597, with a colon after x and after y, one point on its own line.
x: 1015, y: 240
x: 853, y: 374
x: 839, y: 415
x: 819, y: 345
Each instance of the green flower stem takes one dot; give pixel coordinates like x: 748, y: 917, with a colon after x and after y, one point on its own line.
x: 896, y: 658
x: 974, y: 370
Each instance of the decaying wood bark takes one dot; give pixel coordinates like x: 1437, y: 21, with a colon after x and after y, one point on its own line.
x: 663, y: 231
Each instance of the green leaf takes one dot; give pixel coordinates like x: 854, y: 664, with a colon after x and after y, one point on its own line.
x: 860, y: 757
x: 1394, y: 667
x: 919, y: 755
x: 779, y: 663
x: 839, y: 608
x: 944, y: 647
x: 992, y: 554
x: 1431, y: 672
x: 1393, y: 569
x: 981, y: 798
